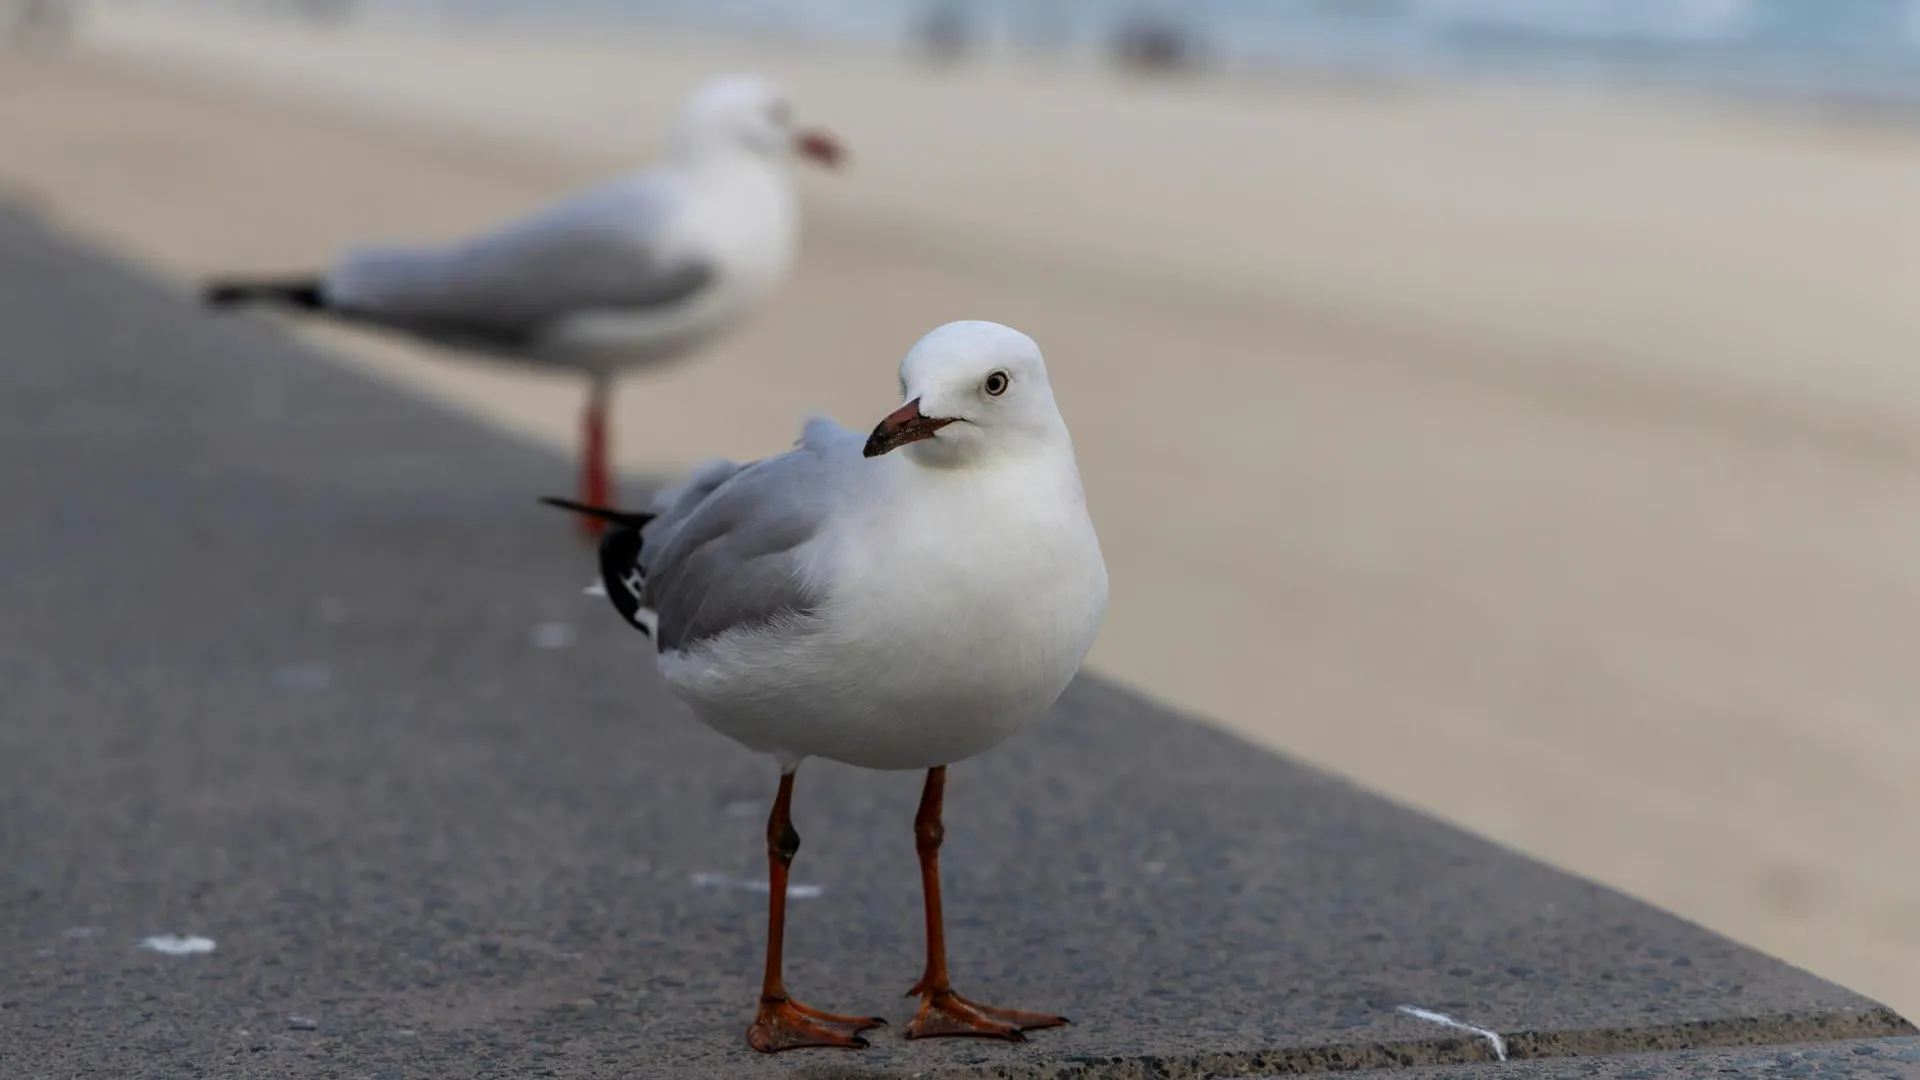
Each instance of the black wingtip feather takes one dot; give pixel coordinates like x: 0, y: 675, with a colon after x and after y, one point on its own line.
x: 290, y: 292
x: 622, y: 577
x: 620, y: 548
x: 626, y: 519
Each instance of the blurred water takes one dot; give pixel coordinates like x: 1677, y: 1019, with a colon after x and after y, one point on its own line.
x: 1856, y: 49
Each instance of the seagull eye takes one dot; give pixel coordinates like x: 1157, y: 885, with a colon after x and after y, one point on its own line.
x: 997, y: 383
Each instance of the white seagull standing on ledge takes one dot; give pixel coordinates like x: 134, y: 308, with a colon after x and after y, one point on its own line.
x: 635, y: 272
x: 898, y: 600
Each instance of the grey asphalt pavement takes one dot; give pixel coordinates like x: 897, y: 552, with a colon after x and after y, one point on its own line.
x: 293, y: 662
x: 1880, y: 1059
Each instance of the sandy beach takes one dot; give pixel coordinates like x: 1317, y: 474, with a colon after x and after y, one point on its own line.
x: 1546, y: 461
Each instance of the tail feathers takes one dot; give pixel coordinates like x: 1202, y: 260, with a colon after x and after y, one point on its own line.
x: 626, y: 519
x: 302, y: 292
x: 622, y: 581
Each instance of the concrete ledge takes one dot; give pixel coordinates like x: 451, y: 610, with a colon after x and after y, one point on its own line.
x: 294, y: 663
x: 1892, y: 1059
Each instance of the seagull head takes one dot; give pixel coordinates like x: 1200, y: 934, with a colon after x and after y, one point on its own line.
x: 746, y: 112
x: 973, y: 390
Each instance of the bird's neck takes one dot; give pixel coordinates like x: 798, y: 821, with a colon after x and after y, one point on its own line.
x: 709, y: 160
x: 1011, y: 452
x: 1045, y: 474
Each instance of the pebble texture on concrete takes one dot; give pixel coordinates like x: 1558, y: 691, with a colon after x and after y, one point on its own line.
x: 1878, y: 1059
x: 279, y: 673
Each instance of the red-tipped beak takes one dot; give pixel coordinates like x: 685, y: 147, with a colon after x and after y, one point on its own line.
x: 902, y: 426
x: 818, y: 146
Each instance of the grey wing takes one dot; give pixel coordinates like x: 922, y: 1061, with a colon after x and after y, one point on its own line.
x: 602, y: 250
x: 731, y: 559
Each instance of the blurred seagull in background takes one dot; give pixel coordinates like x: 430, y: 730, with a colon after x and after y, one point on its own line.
x: 635, y: 272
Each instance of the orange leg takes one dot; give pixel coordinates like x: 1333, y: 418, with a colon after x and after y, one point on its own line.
x: 596, y: 488
x: 943, y: 1012
x: 782, y: 1023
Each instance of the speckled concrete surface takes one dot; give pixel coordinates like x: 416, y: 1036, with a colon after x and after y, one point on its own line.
x: 1888, y: 1059
x: 295, y: 664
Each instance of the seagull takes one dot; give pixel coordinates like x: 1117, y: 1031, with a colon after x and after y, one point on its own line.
x: 899, y: 600
x: 633, y: 272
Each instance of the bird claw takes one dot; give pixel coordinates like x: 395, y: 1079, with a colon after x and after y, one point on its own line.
x: 789, y: 1025
x: 943, y: 1013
